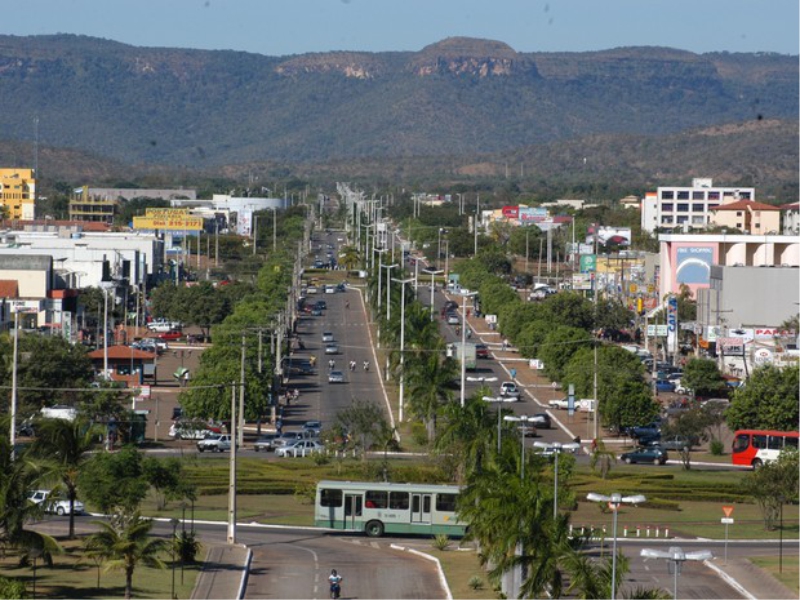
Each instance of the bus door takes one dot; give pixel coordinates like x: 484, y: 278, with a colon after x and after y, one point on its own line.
x: 352, y: 511
x: 420, y: 508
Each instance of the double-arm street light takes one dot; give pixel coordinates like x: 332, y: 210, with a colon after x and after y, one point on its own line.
x: 556, y: 448
x: 403, y: 283
x: 524, y: 420
x: 464, y: 343
x: 614, y: 502
x: 677, y: 557
x: 433, y: 283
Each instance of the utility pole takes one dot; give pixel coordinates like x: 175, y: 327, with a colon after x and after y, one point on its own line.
x: 232, y: 477
x: 240, y: 439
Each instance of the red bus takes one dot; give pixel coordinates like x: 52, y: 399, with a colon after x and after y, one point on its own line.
x: 754, y: 447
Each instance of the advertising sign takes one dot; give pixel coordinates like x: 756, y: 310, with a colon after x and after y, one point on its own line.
x: 588, y: 263
x: 672, y: 324
x: 693, y: 265
x: 66, y: 324
x: 526, y: 213
x: 657, y: 330
x: 511, y: 212
x: 184, y: 223
x: 582, y: 282
x: 166, y: 213
x: 618, y: 236
x: 763, y: 356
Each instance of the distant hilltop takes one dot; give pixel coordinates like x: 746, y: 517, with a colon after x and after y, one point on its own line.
x: 460, y: 96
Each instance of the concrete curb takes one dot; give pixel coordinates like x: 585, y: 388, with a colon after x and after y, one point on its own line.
x: 245, y: 574
x: 729, y: 580
x: 440, y: 571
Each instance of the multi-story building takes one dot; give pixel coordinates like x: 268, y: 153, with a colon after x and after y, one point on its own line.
x: 747, y: 216
x: 790, y: 219
x: 18, y: 193
x: 688, y: 208
x: 100, y: 204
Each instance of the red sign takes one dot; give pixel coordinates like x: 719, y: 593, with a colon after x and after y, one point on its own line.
x: 511, y: 212
x: 728, y: 510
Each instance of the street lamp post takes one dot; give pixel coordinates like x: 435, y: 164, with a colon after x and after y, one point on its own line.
x: 677, y: 557
x: 557, y: 448
x: 464, y: 344
x: 439, y: 249
x: 614, y: 502
x: 174, y: 523
x: 433, y: 273
x: 524, y: 420
x: 388, y: 290
x: 499, y: 420
x: 403, y: 283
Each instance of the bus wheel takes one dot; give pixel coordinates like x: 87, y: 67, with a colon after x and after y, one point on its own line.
x: 757, y: 464
x: 374, y: 529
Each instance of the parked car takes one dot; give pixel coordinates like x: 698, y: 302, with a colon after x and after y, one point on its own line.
x: 313, y: 427
x: 188, y: 430
x: 501, y: 399
x: 481, y: 351
x: 542, y: 421
x: 509, y: 388
x: 321, y: 304
x: 680, y: 443
x: 215, y: 443
x: 300, y: 448
x: 336, y: 377
x: 644, y: 431
x: 453, y: 319
x: 651, y: 454
x: 327, y: 337
x: 51, y: 504
x: 264, y: 442
x: 665, y: 386
x: 331, y: 349
x: 164, y: 326
x: 170, y: 336
x: 287, y: 437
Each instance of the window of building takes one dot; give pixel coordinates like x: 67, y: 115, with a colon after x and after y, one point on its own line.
x: 756, y: 225
x: 697, y: 207
x: 683, y: 195
x: 683, y: 207
x: 698, y: 220
x: 666, y: 220
x: 744, y: 195
x: 739, y: 226
x: 669, y: 207
x: 713, y: 206
x: 713, y: 195
x: 682, y: 219
x: 667, y: 195
x: 738, y: 213
x: 698, y: 195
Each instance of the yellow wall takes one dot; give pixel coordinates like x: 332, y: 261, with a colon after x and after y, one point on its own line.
x: 18, y: 192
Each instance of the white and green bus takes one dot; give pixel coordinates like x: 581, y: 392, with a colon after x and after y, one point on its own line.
x: 377, y: 508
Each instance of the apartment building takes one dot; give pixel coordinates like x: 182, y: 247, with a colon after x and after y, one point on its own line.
x: 688, y: 208
x: 18, y: 193
x: 748, y: 216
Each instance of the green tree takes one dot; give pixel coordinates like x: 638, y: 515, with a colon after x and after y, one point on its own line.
x: 124, y: 544
x: 774, y: 484
x: 770, y: 400
x: 114, y: 482
x: 559, y: 346
x: 602, y: 459
x: 693, y: 424
x: 364, y: 422
x: 165, y: 476
x: 429, y: 376
x: 61, y: 448
x: 350, y: 259
x: 702, y: 376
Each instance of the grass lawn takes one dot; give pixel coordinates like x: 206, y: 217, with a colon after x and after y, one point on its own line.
x: 790, y: 577
x: 459, y: 567
x: 72, y: 576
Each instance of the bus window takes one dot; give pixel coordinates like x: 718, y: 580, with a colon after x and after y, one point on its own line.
x: 330, y: 498
x: 759, y: 441
x: 446, y: 502
x: 775, y: 442
x: 742, y: 442
x: 376, y: 499
x: 398, y: 500
x: 791, y: 442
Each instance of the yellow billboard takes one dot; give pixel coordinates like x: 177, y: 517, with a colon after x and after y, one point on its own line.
x: 177, y: 223
x: 172, y: 213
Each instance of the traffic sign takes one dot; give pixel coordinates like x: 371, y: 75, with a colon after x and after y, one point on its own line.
x: 726, y: 521
x: 728, y: 510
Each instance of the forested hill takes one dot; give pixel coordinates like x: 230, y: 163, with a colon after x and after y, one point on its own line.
x: 457, y: 97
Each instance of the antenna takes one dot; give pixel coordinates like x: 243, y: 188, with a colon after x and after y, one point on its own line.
x: 36, y: 146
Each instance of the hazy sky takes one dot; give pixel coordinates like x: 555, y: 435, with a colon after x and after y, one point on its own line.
x: 281, y: 27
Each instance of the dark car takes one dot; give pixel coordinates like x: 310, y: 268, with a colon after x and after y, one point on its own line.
x: 321, y: 304
x: 450, y: 305
x: 680, y: 443
x: 542, y: 421
x: 665, y: 386
x: 481, y: 351
x: 647, y: 454
x: 645, y: 431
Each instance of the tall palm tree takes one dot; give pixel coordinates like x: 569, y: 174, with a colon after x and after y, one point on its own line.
x: 469, y: 434
x: 350, y: 259
x: 60, y: 449
x: 125, y: 543
x: 428, y: 376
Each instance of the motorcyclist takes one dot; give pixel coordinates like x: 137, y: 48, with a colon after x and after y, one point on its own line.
x: 335, y: 581
x: 366, y: 365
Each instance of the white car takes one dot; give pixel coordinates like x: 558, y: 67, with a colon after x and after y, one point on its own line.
x: 501, y: 398
x: 327, y: 336
x: 300, y: 448
x: 164, y: 326
x: 312, y: 289
x: 58, y: 506
x: 560, y: 403
x: 510, y: 389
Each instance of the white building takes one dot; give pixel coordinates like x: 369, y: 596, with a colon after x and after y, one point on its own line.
x: 688, y: 208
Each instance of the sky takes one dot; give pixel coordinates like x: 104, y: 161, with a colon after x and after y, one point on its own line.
x: 285, y: 27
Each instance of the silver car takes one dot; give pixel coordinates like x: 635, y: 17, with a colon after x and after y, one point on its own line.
x: 331, y: 349
x: 327, y: 337
x: 300, y: 448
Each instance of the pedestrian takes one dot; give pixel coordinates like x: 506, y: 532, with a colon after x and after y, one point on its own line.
x: 513, y: 373
x: 468, y: 312
x: 504, y: 345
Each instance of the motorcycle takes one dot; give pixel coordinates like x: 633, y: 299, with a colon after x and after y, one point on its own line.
x: 336, y: 590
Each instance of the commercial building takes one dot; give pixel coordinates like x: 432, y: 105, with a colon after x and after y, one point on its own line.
x: 100, y: 204
x: 18, y: 193
x: 688, y: 208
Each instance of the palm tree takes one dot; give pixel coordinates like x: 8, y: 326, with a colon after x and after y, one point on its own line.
x: 470, y: 434
x: 349, y: 259
x: 124, y: 543
x: 428, y: 376
x: 602, y: 459
x: 61, y: 448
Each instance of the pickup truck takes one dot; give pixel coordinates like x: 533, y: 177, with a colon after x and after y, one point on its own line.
x: 215, y: 443
x: 560, y: 403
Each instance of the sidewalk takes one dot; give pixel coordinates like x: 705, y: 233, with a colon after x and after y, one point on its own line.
x: 224, y: 573
x: 753, y: 581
